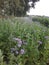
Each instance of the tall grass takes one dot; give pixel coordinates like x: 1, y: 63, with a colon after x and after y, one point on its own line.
x: 23, y: 43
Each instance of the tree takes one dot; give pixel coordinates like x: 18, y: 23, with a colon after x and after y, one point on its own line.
x: 16, y: 7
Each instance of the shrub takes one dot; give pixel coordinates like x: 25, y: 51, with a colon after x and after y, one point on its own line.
x: 42, y: 20
x: 23, y: 43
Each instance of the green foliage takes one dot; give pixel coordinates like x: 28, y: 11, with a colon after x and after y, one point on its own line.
x: 15, y: 7
x: 43, y: 20
x: 12, y: 32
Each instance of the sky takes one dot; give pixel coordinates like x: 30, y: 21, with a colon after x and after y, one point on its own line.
x: 41, y: 8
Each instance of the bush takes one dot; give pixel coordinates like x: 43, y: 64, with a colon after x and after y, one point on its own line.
x: 42, y: 20
x: 23, y: 43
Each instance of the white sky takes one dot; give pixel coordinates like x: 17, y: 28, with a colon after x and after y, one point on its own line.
x: 41, y: 8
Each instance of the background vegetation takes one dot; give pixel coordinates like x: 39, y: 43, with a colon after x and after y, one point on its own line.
x: 15, y: 7
x: 42, y: 19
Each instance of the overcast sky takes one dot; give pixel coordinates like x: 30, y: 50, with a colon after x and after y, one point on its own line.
x: 41, y: 8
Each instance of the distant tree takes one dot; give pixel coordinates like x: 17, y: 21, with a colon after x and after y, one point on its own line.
x: 16, y: 7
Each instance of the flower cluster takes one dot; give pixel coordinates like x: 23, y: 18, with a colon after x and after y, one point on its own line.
x: 40, y: 42
x: 21, y: 51
x: 20, y: 42
x: 19, y: 45
x: 46, y: 37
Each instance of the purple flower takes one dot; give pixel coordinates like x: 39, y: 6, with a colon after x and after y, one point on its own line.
x: 16, y: 39
x: 46, y: 37
x: 12, y: 50
x: 22, y: 51
x: 24, y: 42
x: 19, y: 41
x: 19, y: 45
x: 16, y: 52
x: 40, y: 42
